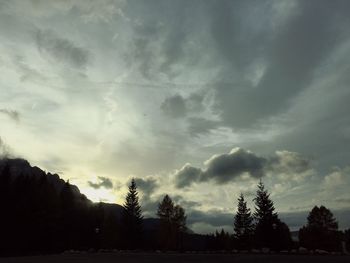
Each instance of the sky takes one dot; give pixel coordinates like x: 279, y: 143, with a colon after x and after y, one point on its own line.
x: 196, y: 99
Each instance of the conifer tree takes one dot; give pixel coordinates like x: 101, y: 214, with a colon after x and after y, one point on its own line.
x: 243, y: 224
x: 269, y: 230
x: 132, y: 217
x: 172, y: 224
x: 165, y: 209
x: 264, y: 207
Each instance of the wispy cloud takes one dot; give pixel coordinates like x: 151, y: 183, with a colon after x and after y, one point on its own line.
x: 12, y: 114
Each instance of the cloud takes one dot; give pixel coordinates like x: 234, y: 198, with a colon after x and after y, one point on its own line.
x: 186, y: 175
x: 102, y: 182
x: 174, y: 106
x: 286, y: 161
x: 62, y: 50
x: 311, y: 29
x: 223, y: 168
x: 336, y: 178
x: 213, y: 217
x: 4, y: 149
x: 12, y: 114
x: 199, y: 126
x: 147, y: 186
x: 216, y: 219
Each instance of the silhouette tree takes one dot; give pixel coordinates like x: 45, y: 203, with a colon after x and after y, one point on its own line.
x: 269, y: 230
x: 321, y: 230
x: 132, y: 218
x: 179, y: 221
x: 172, y: 224
x: 347, y: 238
x: 222, y: 240
x: 243, y: 225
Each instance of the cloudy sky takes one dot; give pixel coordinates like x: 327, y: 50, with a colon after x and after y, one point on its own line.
x: 198, y: 99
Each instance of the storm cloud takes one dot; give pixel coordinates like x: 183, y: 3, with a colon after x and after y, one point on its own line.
x: 223, y: 168
x: 62, y: 50
x: 174, y: 106
x: 147, y: 186
x: 102, y: 182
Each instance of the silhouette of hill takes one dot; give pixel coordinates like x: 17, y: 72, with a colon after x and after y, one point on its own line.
x: 19, y: 167
x: 53, y: 214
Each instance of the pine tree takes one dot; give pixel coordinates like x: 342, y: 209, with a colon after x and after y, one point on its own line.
x: 132, y: 218
x: 243, y: 224
x: 165, y: 209
x: 269, y: 230
x: 172, y: 224
x: 264, y: 207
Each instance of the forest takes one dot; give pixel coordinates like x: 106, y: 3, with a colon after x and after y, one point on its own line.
x: 43, y: 214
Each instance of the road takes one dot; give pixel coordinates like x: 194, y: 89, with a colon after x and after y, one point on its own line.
x: 154, y: 258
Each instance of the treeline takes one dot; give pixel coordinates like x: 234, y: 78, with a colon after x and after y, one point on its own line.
x: 41, y: 213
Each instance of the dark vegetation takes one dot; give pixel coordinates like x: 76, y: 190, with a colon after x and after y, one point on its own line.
x: 42, y: 214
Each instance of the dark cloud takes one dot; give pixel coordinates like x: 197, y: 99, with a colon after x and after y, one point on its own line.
x: 147, y: 186
x: 62, y: 50
x: 102, y: 182
x: 295, y: 220
x: 288, y: 162
x: 213, y: 217
x: 186, y: 175
x: 223, y: 168
x: 150, y: 205
x: 160, y: 37
x: 188, y: 205
x: 199, y: 126
x: 174, y: 106
x: 12, y: 114
x: 291, y: 55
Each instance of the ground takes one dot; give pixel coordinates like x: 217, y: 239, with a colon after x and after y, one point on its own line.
x: 200, y: 258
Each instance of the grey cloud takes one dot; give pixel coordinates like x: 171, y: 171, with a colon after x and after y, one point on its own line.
x: 102, y: 182
x: 150, y: 205
x: 295, y: 220
x: 163, y: 39
x: 343, y: 200
x: 293, y: 53
x: 4, y: 149
x: 174, y: 106
x: 188, y: 205
x: 199, y: 126
x: 186, y: 175
x: 61, y: 49
x: 12, y: 114
x: 147, y: 185
x: 223, y: 168
x: 215, y: 218
x: 287, y: 162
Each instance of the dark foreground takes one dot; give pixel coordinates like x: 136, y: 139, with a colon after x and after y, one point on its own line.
x: 154, y: 258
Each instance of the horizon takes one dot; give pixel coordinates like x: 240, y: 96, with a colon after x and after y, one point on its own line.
x: 216, y: 218
x: 197, y: 99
